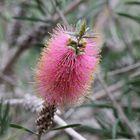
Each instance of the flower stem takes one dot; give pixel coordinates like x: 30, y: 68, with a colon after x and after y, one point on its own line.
x: 39, y: 137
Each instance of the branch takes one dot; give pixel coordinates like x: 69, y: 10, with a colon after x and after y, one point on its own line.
x: 60, y: 13
x: 14, y: 29
x: 70, y: 131
x: 34, y: 104
x: 71, y: 7
x: 25, y: 42
x: 112, y: 89
x: 124, y: 69
x: 118, y: 108
x: 7, y: 79
x: 38, y: 33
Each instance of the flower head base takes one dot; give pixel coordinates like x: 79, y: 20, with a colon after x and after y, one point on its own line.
x: 78, y: 47
x: 65, y: 69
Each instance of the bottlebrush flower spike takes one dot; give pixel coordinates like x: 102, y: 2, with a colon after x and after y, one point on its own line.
x: 66, y: 66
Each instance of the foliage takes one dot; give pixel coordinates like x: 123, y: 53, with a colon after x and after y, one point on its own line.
x: 24, y: 29
x: 4, y: 118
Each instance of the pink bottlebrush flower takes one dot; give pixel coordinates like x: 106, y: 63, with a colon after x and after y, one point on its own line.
x: 65, y: 69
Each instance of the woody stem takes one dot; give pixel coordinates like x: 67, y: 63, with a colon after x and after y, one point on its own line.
x: 39, y: 137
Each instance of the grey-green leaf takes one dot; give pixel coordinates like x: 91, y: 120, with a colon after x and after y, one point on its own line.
x: 133, y: 3
x: 132, y: 17
x: 67, y: 126
x: 22, y: 128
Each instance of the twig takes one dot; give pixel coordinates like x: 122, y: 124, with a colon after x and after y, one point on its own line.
x: 14, y: 29
x: 34, y: 104
x: 112, y: 89
x: 26, y: 42
x: 124, y: 69
x: 7, y: 79
x: 60, y: 13
x: 72, y: 6
x: 70, y: 131
x: 38, y: 33
x: 118, y: 108
x: 136, y: 73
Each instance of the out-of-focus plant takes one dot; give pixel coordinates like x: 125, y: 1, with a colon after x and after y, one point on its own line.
x: 4, y: 118
x: 116, y: 21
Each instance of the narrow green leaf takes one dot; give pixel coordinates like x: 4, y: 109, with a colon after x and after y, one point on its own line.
x: 22, y: 128
x: 29, y: 5
x: 96, y: 130
x: 89, y: 37
x: 71, y: 33
x: 98, y: 104
x: 102, y: 132
x: 67, y: 126
x: 133, y: 3
x: 115, y: 128
x: 87, y: 29
x: 40, y: 6
x: 4, y: 117
x: 132, y: 17
x: 6, y: 111
x: 0, y: 110
x: 82, y: 28
x: 129, y: 106
x: 78, y: 24
x: 32, y: 19
x: 135, y: 82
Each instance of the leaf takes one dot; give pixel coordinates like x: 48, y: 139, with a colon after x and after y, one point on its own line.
x: 129, y: 107
x: 32, y: 19
x: 135, y: 82
x: 97, y: 131
x: 67, y: 126
x: 6, y: 111
x: 115, y: 128
x: 132, y: 17
x: 111, y: 58
x: 4, y: 117
x: 136, y: 42
x: 22, y: 128
x: 29, y: 5
x: 97, y: 104
x: 87, y: 29
x: 40, y: 6
x: 82, y: 28
x: 78, y: 24
x: 102, y: 132
x: 89, y: 37
x: 71, y: 33
x: 137, y: 3
x: 0, y: 109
